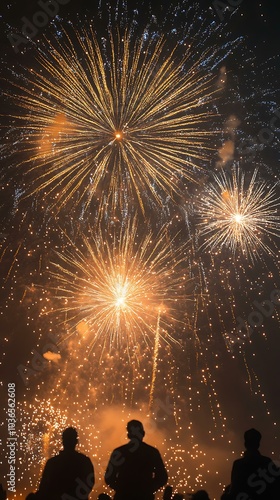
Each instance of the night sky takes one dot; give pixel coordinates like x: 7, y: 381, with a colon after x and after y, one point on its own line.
x: 215, y: 369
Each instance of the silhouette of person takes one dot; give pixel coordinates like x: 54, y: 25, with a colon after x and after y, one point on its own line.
x: 135, y: 470
x: 68, y: 473
x: 254, y: 476
x: 167, y: 493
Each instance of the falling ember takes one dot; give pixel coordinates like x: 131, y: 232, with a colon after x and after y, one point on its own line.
x: 155, y: 361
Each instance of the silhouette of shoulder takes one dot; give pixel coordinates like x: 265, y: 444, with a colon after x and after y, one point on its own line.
x: 64, y: 472
x: 137, y: 451
x: 255, y: 475
x: 136, y: 465
x: 139, y: 447
x: 250, y: 462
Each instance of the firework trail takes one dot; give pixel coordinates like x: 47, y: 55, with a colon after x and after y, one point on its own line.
x: 155, y: 362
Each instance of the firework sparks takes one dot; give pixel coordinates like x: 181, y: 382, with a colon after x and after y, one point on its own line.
x: 156, y: 350
x: 115, y: 126
x: 112, y: 287
x: 129, y: 117
x: 239, y: 215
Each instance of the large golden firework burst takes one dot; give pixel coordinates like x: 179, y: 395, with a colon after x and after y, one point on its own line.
x: 113, y: 119
x: 114, y: 287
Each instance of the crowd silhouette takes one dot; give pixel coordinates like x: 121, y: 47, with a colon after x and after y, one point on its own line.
x: 136, y: 471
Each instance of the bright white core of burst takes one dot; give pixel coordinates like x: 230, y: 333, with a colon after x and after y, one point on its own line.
x: 238, y: 218
x: 120, y: 295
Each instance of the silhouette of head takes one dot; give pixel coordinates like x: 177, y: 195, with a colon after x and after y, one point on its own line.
x: 200, y: 495
x: 167, y: 494
x: 69, y: 438
x: 252, y: 439
x: 135, y: 429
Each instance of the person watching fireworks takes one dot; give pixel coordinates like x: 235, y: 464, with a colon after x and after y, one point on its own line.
x: 136, y: 469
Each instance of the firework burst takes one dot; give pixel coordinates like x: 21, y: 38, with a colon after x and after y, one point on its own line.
x: 112, y: 127
x: 238, y: 214
x: 115, y: 119
x: 112, y: 288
